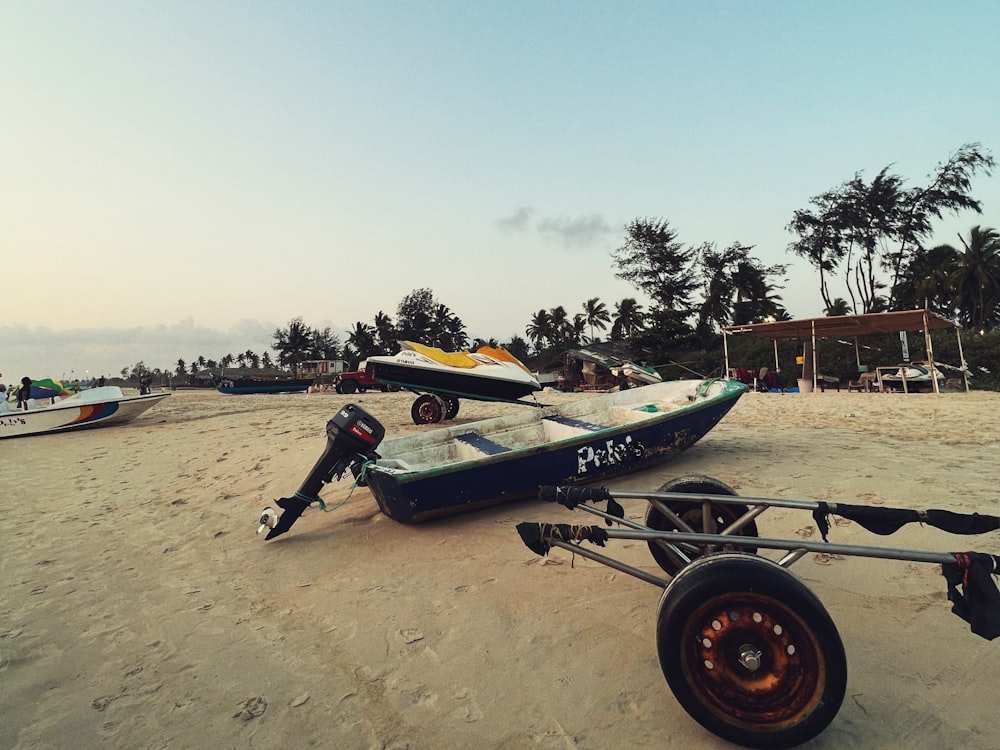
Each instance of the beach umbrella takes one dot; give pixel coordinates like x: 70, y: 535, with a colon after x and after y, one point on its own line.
x: 48, y: 388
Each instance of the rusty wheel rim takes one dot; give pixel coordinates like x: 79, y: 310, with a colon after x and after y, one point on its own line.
x: 752, y: 661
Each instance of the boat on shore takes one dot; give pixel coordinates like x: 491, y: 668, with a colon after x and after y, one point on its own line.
x: 490, y: 373
x: 461, y: 468
x: 94, y: 407
x: 261, y: 384
x: 487, y: 374
x: 638, y: 375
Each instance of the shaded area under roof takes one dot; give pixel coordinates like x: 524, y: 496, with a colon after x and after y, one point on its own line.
x: 848, y: 325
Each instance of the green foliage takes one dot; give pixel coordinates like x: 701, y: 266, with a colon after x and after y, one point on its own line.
x: 861, y: 231
x: 420, y: 317
x: 299, y: 343
x: 655, y: 262
x: 517, y: 347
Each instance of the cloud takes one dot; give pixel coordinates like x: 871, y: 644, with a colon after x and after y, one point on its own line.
x: 570, y: 232
x: 519, y: 221
x: 583, y: 230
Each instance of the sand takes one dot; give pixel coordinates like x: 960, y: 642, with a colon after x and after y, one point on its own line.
x: 139, y: 609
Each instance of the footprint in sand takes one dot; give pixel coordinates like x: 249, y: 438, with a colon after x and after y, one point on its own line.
x: 251, y: 708
x: 823, y: 558
x: 410, y: 635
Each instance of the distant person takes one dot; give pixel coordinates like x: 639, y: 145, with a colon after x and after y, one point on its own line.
x: 100, y: 382
x: 24, y: 393
x: 145, y: 381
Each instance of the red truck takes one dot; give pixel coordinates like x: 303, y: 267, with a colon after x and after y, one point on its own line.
x: 359, y: 381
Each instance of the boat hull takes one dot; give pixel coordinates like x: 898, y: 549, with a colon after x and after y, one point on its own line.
x: 412, y: 496
x: 243, y: 387
x: 85, y: 410
x: 450, y: 381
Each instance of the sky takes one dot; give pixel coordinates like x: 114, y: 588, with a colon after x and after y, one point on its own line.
x: 180, y: 179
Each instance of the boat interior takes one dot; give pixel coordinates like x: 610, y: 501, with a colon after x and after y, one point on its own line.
x: 501, y: 435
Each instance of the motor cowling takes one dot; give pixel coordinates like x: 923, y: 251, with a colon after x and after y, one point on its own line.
x: 351, y: 439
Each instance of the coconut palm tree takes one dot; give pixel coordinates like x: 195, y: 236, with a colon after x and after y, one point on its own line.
x: 975, y: 280
x: 560, y: 323
x: 575, y: 328
x: 926, y: 279
x: 839, y: 306
x: 385, y: 333
x: 595, y: 315
x: 628, y: 319
x: 362, y: 338
x: 539, y: 330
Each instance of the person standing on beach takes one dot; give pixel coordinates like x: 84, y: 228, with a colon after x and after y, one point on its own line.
x: 24, y: 393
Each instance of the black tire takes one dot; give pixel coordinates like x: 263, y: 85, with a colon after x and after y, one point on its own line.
x: 749, y: 651
x: 451, y: 406
x: 394, y: 388
x: 427, y: 409
x: 721, y: 516
x: 347, y: 387
x: 339, y: 387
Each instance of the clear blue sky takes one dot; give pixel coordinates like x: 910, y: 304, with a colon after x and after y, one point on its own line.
x: 180, y: 178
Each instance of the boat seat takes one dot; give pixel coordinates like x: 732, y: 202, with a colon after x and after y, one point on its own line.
x: 482, y: 444
x: 578, y: 424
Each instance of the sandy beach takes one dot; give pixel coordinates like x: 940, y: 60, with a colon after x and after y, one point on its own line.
x: 140, y: 610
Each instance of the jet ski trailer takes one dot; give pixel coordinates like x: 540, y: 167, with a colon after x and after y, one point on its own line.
x: 747, y: 649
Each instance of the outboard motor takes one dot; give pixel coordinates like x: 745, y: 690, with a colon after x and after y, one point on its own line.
x: 351, y: 439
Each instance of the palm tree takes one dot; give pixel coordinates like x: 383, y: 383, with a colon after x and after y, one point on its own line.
x: 440, y: 323
x: 539, y: 329
x: 560, y: 324
x: 926, y: 279
x: 294, y: 343
x: 575, y: 329
x: 839, y: 306
x: 595, y: 315
x: 385, y: 333
x: 362, y: 338
x: 628, y: 319
x: 975, y: 281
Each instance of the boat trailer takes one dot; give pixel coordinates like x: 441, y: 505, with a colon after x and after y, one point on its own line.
x: 433, y: 407
x: 747, y: 649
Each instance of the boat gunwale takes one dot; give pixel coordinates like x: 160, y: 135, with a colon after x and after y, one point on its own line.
x: 731, y: 391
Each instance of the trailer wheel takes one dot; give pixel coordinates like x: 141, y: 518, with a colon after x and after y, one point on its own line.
x: 721, y: 516
x: 451, y: 406
x: 749, y: 651
x: 427, y: 409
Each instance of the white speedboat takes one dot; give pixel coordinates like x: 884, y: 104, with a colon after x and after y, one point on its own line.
x: 487, y: 374
x: 95, y: 407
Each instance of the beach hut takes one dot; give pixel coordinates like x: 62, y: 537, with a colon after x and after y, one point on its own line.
x: 809, y: 330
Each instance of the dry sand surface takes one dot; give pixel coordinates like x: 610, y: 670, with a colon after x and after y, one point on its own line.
x: 139, y: 609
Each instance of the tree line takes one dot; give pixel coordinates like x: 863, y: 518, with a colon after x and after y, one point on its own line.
x: 865, y: 240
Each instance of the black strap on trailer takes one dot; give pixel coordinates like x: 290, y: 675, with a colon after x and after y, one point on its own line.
x: 886, y: 521
x: 570, y: 497
x: 536, y: 536
x: 973, y: 593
